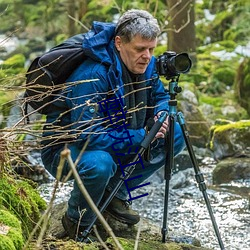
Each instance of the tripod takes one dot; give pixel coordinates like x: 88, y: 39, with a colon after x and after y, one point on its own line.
x: 173, y: 90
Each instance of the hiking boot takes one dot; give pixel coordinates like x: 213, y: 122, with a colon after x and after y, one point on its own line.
x: 75, y: 231
x: 121, y: 211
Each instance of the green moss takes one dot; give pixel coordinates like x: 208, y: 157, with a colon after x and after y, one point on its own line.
x: 228, y: 45
x: 91, y: 247
x: 6, y: 96
x: 212, y: 100
x: 235, y: 125
x: 13, y: 71
x: 13, y: 239
x: 219, y: 102
x: 225, y: 75
x: 6, y: 243
x: 239, y: 128
x: 16, y: 237
x: 16, y: 61
x: 9, y: 219
x: 128, y: 244
x: 61, y: 38
x: 21, y: 199
x: 242, y: 84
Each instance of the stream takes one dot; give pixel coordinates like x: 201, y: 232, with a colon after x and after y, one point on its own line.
x: 187, y: 212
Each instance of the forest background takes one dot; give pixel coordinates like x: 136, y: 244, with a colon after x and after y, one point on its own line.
x: 214, y: 33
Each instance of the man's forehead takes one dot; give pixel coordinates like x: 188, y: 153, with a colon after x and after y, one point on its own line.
x: 137, y: 40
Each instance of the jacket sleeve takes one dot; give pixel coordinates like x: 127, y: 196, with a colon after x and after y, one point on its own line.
x: 88, y: 123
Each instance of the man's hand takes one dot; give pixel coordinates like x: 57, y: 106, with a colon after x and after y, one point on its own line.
x: 164, y: 128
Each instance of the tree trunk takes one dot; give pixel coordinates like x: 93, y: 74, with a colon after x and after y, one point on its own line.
x: 83, y: 7
x: 181, y: 27
x: 71, y: 6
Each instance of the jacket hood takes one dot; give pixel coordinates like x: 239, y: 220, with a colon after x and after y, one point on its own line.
x: 98, y: 43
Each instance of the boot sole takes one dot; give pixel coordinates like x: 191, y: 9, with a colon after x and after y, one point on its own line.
x: 121, y: 219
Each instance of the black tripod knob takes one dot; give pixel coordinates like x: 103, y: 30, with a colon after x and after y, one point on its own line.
x: 177, y: 89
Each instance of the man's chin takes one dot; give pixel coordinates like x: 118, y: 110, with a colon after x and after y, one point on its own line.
x: 139, y: 71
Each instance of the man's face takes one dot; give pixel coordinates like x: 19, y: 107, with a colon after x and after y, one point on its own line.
x: 137, y: 53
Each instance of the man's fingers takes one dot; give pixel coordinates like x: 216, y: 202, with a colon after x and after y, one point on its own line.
x: 159, y: 135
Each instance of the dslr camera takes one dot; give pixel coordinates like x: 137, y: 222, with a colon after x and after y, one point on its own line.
x: 171, y: 65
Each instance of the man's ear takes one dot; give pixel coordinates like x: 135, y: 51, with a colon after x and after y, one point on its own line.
x: 118, y: 42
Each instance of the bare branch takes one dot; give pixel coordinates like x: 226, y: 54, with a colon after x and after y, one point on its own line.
x: 66, y: 154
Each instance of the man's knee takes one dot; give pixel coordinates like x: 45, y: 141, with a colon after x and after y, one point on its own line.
x: 97, y: 164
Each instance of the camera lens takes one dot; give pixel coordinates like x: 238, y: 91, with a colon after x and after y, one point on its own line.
x: 182, y: 63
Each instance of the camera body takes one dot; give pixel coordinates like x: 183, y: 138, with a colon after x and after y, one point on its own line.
x: 171, y: 65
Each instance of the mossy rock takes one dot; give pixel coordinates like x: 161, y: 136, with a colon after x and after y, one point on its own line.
x: 232, y: 139
x: 128, y: 244
x: 11, y: 237
x: 22, y: 200
x: 150, y: 235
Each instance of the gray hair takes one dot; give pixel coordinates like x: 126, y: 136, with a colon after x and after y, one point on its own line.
x: 137, y: 22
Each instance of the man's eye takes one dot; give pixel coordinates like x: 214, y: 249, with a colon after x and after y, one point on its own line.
x: 139, y: 50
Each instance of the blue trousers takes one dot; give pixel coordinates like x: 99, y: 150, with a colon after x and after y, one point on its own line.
x: 99, y: 171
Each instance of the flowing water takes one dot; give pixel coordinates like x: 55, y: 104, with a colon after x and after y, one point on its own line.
x: 187, y: 212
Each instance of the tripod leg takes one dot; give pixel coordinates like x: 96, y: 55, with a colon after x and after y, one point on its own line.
x: 168, y: 173
x: 199, y: 176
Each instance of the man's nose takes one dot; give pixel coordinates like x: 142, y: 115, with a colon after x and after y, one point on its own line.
x: 146, y: 54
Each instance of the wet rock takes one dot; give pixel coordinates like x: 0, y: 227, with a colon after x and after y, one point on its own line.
x: 231, y: 169
x: 197, y: 125
x: 181, y: 179
x: 231, y: 139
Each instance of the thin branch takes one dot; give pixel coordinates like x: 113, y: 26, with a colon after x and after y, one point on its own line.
x: 77, y: 21
x: 99, y: 238
x: 66, y: 154
x: 138, y: 236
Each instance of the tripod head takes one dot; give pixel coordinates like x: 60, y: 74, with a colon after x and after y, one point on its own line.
x: 174, y: 89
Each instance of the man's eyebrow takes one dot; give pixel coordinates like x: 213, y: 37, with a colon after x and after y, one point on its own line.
x: 144, y: 47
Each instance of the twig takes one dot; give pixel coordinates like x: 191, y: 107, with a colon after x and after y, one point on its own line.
x: 77, y: 21
x: 66, y: 154
x: 99, y: 238
x: 137, y: 236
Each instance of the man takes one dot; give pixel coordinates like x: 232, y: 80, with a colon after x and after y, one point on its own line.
x: 107, y: 115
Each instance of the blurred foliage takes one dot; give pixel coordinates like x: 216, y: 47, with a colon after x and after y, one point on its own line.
x: 221, y: 27
x: 242, y: 84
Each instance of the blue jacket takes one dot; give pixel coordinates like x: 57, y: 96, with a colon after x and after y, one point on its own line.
x: 85, y: 119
